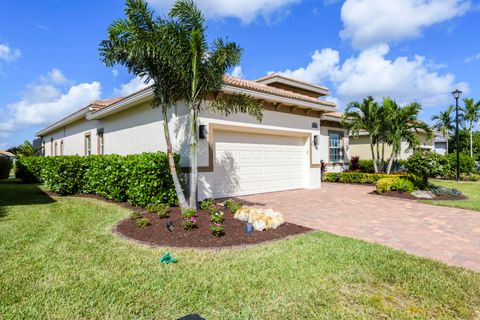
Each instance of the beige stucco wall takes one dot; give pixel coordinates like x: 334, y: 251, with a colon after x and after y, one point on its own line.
x: 324, y: 150
x: 360, y: 147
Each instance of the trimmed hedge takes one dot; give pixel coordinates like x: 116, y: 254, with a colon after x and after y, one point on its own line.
x: 395, y: 184
x: 5, y: 167
x: 355, y: 177
x: 141, y: 179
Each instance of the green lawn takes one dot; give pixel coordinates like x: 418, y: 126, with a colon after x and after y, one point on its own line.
x: 470, y: 189
x: 58, y: 259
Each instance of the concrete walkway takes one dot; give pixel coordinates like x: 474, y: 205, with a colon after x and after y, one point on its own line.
x: 447, y: 234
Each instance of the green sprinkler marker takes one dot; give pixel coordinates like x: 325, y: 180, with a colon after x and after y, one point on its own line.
x: 168, y: 258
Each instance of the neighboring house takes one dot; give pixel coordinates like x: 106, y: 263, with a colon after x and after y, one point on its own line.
x: 440, y: 144
x: 360, y: 146
x: 236, y: 155
x: 6, y: 154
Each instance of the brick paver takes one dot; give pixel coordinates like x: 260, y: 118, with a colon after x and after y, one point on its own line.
x: 447, y: 234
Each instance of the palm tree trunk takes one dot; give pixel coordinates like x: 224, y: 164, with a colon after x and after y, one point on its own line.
x: 373, y: 157
x: 447, y: 137
x: 390, y: 162
x: 471, y: 140
x: 379, y: 165
x: 171, y: 162
x: 193, y: 157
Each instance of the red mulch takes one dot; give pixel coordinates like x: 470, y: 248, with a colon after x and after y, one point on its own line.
x: 201, y: 237
x: 408, y: 196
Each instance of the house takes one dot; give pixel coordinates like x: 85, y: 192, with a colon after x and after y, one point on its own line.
x: 7, y: 154
x: 237, y: 155
x: 360, y: 146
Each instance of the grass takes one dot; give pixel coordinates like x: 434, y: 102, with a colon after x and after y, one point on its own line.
x: 59, y: 259
x: 468, y: 188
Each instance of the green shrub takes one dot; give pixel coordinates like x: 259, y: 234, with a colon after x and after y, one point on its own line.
x: 207, y: 204
x: 65, y: 175
x: 216, y: 217
x: 427, y: 165
x: 470, y: 177
x: 161, y: 209
x: 142, y: 223
x: 366, y: 166
x: 29, y: 169
x: 467, y: 163
x: 136, y: 215
x: 232, y: 205
x: 150, y: 180
x: 5, y: 167
x: 385, y: 184
x: 189, y: 220
x: 403, y: 185
x: 141, y: 179
x: 217, y: 229
x: 443, y: 191
x: 355, y: 177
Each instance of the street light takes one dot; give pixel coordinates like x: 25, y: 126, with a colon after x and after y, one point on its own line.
x: 456, y: 94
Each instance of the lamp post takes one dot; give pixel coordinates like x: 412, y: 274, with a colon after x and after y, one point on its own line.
x: 456, y: 94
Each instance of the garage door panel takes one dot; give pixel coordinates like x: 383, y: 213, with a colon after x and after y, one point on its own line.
x: 251, y: 163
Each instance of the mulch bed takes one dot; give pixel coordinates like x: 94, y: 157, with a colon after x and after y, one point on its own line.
x: 408, y: 196
x: 201, y: 237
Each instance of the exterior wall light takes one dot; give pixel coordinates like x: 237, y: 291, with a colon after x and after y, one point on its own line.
x: 315, y: 140
x: 202, y: 131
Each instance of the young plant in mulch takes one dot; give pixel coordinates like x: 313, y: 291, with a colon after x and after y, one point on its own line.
x: 189, y: 218
x: 232, y: 205
x: 217, y: 229
x: 142, y: 223
x: 207, y: 204
x: 160, y: 209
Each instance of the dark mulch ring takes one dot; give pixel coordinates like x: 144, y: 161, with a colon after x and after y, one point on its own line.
x: 201, y: 237
x: 408, y: 196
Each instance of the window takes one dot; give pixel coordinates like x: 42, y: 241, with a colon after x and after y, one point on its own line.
x: 100, y: 141
x: 335, y: 146
x: 61, y: 147
x: 55, y: 149
x: 88, y: 144
x: 51, y: 146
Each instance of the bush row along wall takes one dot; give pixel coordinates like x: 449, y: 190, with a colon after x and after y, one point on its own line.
x: 140, y: 179
x: 356, y: 177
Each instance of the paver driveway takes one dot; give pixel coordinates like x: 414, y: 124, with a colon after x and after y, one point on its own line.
x: 447, y: 234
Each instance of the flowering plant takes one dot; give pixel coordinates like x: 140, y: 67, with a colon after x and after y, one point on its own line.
x: 189, y: 223
x: 217, y: 229
x: 216, y: 217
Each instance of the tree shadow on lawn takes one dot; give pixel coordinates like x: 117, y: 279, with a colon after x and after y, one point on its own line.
x: 15, y: 193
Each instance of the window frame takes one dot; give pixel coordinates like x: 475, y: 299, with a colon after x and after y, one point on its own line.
x: 87, y: 146
x: 340, y: 148
x: 100, y: 141
x: 61, y: 147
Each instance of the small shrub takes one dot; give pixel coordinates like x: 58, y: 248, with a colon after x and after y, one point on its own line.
x: 403, y: 185
x: 217, y: 229
x: 216, y: 217
x: 5, y: 167
x: 427, y: 165
x: 189, y: 218
x: 443, y: 191
x: 354, y: 165
x: 233, y: 205
x: 161, y: 209
x: 357, y: 177
x: 467, y: 163
x: 142, y: 223
x: 136, y: 215
x: 385, y: 184
x: 207, y: 204
x: 366, y: 166
x: 470, y: 177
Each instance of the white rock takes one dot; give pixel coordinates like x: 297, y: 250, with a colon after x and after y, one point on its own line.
x: 423, y: 194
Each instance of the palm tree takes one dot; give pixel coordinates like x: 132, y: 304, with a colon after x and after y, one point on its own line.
x: 205, y: 69
x: 403, y: 126
x: 470, y: 115
x: 444, y: 123
x: 173, y: 52
x: 26, y: 149
x: 364, y: 116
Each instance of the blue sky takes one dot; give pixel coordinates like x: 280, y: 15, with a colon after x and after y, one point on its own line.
x: 411, y: 50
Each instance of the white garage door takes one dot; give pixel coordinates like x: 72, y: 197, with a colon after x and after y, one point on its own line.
x: 251, y: 163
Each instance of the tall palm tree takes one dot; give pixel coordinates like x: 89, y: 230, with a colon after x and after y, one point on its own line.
x: 444, y: 123
x: 403, y: 126
x: 470, y: 115
x: 205, y: 67
x: 364, y: 116
x: 26, y: 149
x: 173, y: 52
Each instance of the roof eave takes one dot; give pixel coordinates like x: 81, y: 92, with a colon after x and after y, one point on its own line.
x: 63, y: 122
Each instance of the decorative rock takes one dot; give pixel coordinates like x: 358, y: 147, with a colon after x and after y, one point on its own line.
x: 259, y: 218
x: 423, y: 194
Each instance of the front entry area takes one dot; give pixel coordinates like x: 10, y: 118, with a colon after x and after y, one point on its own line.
x: 247, y: 163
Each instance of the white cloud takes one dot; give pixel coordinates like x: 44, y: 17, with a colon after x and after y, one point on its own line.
x: 371, y: 22
x: 472, y: 58
x: 9, y: 54
x: 114, y: 73
x: 237, y: 72
x: 130, y: 87
x: 245, y: 10
x: 45, y: 102
x: 370, y: 73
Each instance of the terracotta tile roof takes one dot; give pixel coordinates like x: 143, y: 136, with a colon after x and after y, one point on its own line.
x: 6, y: 153
x: 335, y: 114
x: 100, y: 104
x: 279, y: 75
x: 260, y: 87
